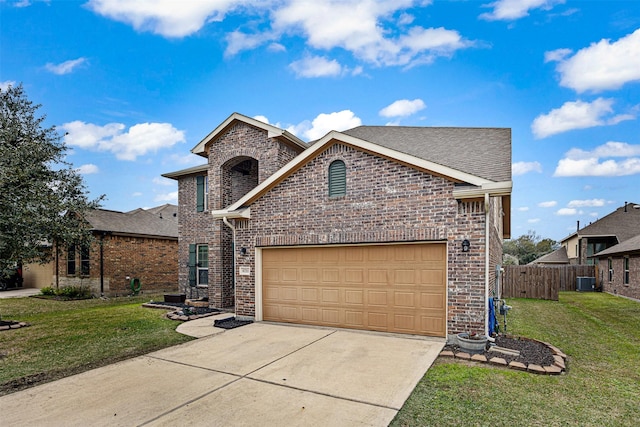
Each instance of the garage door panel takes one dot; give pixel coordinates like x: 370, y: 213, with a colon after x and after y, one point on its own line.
x: 393, y: 288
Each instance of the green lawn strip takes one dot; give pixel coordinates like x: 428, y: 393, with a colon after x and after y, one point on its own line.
x: 600, y: 334
x: 67, y: 337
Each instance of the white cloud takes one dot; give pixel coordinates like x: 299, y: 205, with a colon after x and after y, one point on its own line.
x: 593, y: 203
x: 171, y: 197
x: 548, y: 204
x: 88, y: 169
x: 237, y: 41
x: 556, y: 55
x: 316, y: 66
x: 163, y: 181
x: 136, y: 194
x: 168, y: 18
x: 523, y: 208
x: 5, y: 84
x: 65, y: 67
x: 577, y: 115
x: 567, y: 212
x: 510, y: 10
x: 521, y: 168
x: 403, y: 108
x: 533, y: 220
x: 601, y: 66
x: 325, y: 123
x: 139, y: 140
x: 601, y: 161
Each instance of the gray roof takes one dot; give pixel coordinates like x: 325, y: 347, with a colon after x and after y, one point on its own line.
x: 139, y: 222
x: 629, y: 245
x: 188, y: 171
x: 623, y: 223
x: 483, y: 152
x: 558, y: 256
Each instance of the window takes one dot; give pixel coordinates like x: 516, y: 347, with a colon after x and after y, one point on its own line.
x: 84, y: 260
x: 71, y: 260
x: 610, y: 262
x: 203, y: 265
x: 202, y: 193
x: 337, y: 179
x: 198, y: 265
x: 626, y: 270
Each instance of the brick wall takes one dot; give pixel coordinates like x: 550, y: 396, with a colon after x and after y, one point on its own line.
x: 385, y: 202
x: 228, y: 153
x: 153, y: 261
x: 617, y: 286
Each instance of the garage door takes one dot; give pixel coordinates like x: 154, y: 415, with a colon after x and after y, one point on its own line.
x: 392, y: 288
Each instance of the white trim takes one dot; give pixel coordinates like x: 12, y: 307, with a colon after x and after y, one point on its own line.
x: 367, y: 146
x: 272, y: 132
x: 492, y: 188
x: 238, y: 214
x: 257, y: 304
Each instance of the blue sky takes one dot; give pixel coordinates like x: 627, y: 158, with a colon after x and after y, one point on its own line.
x: 137, y: 84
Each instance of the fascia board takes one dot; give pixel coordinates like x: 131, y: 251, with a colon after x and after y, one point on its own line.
x: 232, y: 214
x: 272, y: 132
x: 493, y: 188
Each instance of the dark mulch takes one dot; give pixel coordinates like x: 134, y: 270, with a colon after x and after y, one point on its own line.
x: 182, y: 307
x: 7, y: 323
x: 530, y: 351
x: 230, y: 323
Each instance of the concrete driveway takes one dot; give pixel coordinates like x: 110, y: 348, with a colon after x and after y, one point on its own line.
x: 259, y: 374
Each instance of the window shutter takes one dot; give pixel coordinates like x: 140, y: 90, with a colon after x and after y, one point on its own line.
x: 200, y: 193
x: 337, y: 179
x: 192, y: 265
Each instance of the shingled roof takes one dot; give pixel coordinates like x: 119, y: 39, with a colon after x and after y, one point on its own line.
x: 623, y: 223
x: 558, y: 256
x: 139, y: 222
x: 628, y: 246
x: 484, y: 152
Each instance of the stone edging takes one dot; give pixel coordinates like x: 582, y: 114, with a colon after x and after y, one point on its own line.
x: 559, y: 365
x: 173, y: 315
x: 16, y: 325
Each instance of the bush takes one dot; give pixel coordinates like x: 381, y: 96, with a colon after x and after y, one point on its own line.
x: 68, y: 292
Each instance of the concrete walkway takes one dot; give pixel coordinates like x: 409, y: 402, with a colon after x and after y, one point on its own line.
x: 19, y: 293
x: 258, y: 374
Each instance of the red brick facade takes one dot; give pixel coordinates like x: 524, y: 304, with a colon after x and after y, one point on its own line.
x: 152, y: 260
x: 386, y: 201
x: 617, y: 283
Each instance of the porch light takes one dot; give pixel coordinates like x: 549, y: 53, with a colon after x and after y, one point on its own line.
x: 466, y: 245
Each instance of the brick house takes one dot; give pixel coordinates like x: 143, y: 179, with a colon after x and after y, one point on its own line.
x: 141, y: 244
x: 616, y: 227
x: 620, y: 267
x: 394, y: 229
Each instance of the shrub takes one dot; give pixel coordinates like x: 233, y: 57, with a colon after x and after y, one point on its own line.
x: 68, y: 292
x: 49, y: 291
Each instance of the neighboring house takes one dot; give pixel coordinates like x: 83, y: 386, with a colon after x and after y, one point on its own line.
x: 383, y: 228
x: 141, y: 244
x: 620, y: 267
x: 557, y: 257
x: 620, y: 225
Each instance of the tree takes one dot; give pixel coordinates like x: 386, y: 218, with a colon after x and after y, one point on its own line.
x: 529, y: 247
x: 42, y: 198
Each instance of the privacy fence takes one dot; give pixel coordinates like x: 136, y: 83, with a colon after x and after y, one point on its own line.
x: 542, y: 282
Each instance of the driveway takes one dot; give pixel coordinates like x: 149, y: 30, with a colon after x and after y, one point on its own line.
x: 259, y: 374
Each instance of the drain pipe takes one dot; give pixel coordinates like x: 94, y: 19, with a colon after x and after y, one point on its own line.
x: 487, y: 217
x: 233, y: 246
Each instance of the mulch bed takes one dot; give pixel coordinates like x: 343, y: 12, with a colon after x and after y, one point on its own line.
x: 535, y: 356
x: 182, y: 311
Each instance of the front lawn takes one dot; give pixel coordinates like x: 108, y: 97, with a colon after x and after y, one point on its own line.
x: 600, y: 334
x: 67, y: 337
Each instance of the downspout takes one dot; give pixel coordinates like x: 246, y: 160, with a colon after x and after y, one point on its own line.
x: 487, y: 217
x: 102, y: 264
x: 233, y: 248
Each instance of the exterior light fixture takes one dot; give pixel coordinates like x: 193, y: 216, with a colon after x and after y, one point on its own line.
x: 243, y: 251
x: 466, y: 245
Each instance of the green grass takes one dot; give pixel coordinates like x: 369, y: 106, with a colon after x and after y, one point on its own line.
x: 600, y: 333
x: 67, y: 337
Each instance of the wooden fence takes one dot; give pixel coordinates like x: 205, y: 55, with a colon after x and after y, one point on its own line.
x: 542, y: 282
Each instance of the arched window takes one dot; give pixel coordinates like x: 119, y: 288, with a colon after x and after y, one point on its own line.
x: 337, y: 179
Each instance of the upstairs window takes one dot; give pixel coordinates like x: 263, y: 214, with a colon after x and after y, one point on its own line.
x: 85, y: 260
x: 202, y: 193
x: 337, y: 179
